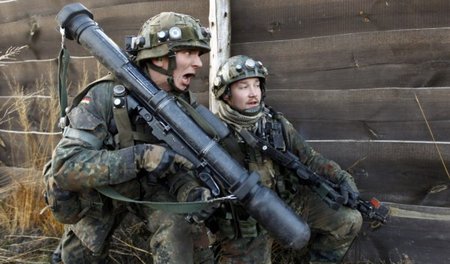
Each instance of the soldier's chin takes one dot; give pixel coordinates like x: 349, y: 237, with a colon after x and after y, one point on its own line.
x: 252, y: 111
x: 182, y: 88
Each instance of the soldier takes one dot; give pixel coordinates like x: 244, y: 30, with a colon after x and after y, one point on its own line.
x: 240, y: 89
x: 103, y: 146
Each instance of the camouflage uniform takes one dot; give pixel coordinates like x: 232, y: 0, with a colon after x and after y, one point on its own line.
x: 80, y: 167
x: 240, y: 238
x: 93, y: 156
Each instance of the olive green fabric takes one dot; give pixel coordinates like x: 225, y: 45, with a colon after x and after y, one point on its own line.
x: 332, y: 231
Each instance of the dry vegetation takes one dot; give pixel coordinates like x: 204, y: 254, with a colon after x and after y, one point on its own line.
x: 27, y: 236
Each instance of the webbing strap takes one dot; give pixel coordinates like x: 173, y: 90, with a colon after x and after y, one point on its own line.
x: 82, y: 135
x: 123, y: 125
x: 63, y: 65
x: 172, y: 207
x: 198, y: 118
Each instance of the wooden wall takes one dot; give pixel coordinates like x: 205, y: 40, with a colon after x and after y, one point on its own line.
x: 358, y: 78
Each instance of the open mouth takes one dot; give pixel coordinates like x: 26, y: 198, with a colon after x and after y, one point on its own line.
x: 186, y: 79
x: 188, y: 76
x: 253, y: 103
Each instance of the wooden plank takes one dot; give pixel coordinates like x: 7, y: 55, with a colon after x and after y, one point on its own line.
x: 384, y: 104
x: 269, y: 20
x: 405, y: 58
x: 116, y: 20
x: 425, y: 74
x: 372, y: 130
x: 17, y: 10
x: 405, y: 239
x: 220, y: 26
x: 408, y: 172
x: 291, y: 19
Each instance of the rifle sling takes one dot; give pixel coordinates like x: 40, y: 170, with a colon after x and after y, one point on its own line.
x: 172, y: 207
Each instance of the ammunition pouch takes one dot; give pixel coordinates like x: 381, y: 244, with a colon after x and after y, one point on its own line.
x: 247, y: 228
x: 64, y: 205
x: 69, y: 207
x: 237, y: 227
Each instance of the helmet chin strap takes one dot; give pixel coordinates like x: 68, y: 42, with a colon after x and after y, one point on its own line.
x: 169, y: 72
x: 173, y: 87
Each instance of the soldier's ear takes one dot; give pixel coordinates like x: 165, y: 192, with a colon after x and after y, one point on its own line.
x: 226, y: 98
x: 158, y: 61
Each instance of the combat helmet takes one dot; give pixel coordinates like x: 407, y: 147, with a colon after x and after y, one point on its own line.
x: 237, y: 68
x: 166, y: 33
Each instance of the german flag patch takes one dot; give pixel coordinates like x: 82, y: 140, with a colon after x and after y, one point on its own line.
x: 86, y: 100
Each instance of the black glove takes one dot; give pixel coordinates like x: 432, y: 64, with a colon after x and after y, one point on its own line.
x: 201, y: 194
x: 349, y: 191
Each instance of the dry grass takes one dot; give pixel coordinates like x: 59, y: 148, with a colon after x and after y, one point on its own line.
x: 11, y: 53
x: 27, y: 236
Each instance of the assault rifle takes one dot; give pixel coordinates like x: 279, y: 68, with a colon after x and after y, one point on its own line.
x: 327, y: 190
x: 177, y: 129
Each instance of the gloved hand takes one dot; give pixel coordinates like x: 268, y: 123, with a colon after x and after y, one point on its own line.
x: 158, y: 160
x: 349, y: 191
x: 201, y: 194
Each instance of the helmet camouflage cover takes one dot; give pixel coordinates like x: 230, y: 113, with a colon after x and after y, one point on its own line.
x: 168, y: 32
x: 237, y: 68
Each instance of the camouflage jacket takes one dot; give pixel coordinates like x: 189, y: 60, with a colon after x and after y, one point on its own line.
x: 273, y: 176
x: 92, y: 159
x: 255, y: 160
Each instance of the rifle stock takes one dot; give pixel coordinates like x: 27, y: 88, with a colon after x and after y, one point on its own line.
x: 179, y: 131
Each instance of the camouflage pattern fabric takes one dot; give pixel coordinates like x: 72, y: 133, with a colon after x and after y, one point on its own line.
x: 332, y: 231
x: 244, y: 250
x: 74, y: 251
x: 79, y: 166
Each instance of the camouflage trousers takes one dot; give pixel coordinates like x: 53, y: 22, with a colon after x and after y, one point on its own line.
x: 244, y: 250
x: 332, y: 231
x: 171, y: 240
